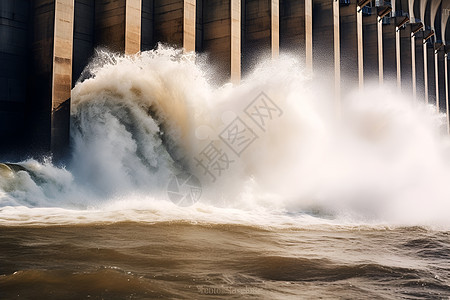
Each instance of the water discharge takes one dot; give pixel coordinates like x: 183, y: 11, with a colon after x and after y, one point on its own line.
x: 138, y: 120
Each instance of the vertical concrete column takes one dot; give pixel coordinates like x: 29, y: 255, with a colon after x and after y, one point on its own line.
x: 308, y: 35
x: 413, y: 66
x: 446, y: 90
x: 359, y: 29
x: 61, y: 75
x: 380, y: 49
x: 235, y: 41
x: 425, y: 70
x: 405, y: 59
x: 436, y: 76
x: 133, y: 26
x: 275, y: 28
x: 398, y: 58
x: 189, y: 25
x: 337, y: 55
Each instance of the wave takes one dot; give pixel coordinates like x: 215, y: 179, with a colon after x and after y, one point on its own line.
x: 270, y: 146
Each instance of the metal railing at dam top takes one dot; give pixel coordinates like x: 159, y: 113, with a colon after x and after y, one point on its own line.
x: 47, y: 43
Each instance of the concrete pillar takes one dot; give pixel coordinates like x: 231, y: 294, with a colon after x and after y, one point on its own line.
x: 359, y: 29
x: 189, y: 25
x: 235, y: 41
x: 406, y: 60
x: 418, y: 49
x: 275, y: 28
x: 380, y: 50
x: 61, y: 75
x: 398, y: 58
x: 413, y: 67
x: 440, y: 79
x: 426, y: 65
x: 133, y: 26
x: 431, y: 75
x: 446, y: 91
x: 308, y: 35
x: 425, y: 71
x: 436, y: 78
x: 337, y: 56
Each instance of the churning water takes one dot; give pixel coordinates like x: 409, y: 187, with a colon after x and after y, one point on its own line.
x: 290, y: 200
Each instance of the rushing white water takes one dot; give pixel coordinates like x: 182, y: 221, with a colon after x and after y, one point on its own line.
x: 138, y: 120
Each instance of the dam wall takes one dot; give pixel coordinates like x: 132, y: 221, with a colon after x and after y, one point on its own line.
x: 46, y: 44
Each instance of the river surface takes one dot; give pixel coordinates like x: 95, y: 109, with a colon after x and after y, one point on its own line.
x: 183, y: 260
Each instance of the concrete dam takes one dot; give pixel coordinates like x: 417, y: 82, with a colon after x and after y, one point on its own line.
x: 46, y: 44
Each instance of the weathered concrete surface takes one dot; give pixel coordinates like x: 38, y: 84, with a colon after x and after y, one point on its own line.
x: 406, y: 59
x: 235, y: 41
x: 133, y: 26
x: 441, y: 80
x: 420, y: 86
x: 14, y: 70
x: 275, y: 28
x: 431, y: 75
x: 61, y: 76
x: 189, y: 25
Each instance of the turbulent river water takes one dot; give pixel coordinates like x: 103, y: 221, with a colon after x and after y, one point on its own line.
x: 178, y: 188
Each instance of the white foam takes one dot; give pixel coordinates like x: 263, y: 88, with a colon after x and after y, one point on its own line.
x: 140, y: 119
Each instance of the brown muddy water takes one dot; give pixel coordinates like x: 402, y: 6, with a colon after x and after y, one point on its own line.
x: 181, y: 260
